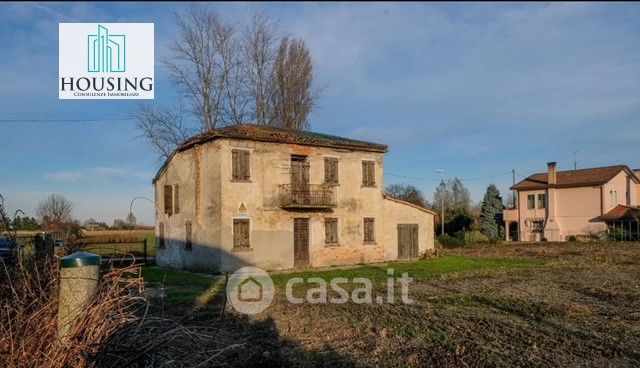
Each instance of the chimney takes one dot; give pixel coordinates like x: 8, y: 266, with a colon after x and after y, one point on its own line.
x: 551, y: 176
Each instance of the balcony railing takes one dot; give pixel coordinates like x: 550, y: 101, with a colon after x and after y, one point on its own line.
x: 306, y: 196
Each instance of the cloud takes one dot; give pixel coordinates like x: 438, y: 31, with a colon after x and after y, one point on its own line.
x: 109, y: 173
x: 94, y: 174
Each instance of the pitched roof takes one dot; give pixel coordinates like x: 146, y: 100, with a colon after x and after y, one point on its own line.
x: 574, y: 178
x: 267, y: 133
x: 621, y: 212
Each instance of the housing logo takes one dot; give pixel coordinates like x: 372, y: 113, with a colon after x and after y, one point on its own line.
x: 106, y: 61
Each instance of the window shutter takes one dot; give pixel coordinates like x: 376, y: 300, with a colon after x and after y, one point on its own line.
x: 176, y: 199
x: 246, y: 175
x: 168, y: 199
x: 364, y: 173
x: 234, y: 165
x: 327, y: 170
x: 241, y: 233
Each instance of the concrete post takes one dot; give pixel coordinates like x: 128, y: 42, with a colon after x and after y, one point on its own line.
x: 79, y: 274
x: 506, y: 233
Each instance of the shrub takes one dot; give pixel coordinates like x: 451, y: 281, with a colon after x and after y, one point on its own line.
x: 449, y: 241
x: 474, y: 237
x: 543, y: 239
x: 572, y: 238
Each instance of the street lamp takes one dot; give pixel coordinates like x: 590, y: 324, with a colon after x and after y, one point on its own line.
x: 441, y: 172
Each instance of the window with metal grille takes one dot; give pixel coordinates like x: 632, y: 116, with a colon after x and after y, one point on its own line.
x: 368, y: 174
x: 331, y: 170
x: 331, y: 231
x: 188, y: 243
x: 369, y: 230
x: 531, y: 201
x: 240, y: 165
x: 168, y: 199
x: 161, y: 235
x: 241, y: 234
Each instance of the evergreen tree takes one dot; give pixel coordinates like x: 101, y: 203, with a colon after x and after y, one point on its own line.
x: 491, y: 213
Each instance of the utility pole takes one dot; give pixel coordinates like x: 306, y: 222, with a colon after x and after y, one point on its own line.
x: 575, y: 163
x: 441, y: 172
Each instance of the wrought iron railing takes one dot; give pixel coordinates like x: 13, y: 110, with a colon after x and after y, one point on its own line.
x: 306, y: 196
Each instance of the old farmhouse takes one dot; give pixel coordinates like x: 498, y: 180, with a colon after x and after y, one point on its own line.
x: 277, y: 199
x: 556, y: 205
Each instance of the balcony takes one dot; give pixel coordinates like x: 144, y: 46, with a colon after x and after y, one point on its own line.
x: 306, y: 196
x: 510, y: 214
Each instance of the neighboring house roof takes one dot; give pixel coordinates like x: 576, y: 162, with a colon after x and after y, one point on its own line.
x: 575, y: 178
x: 267, y: 133
x: 621, y: 212
x: 409, y: 204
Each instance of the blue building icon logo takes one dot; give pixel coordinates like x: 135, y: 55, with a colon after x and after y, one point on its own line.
x: 106, y: 52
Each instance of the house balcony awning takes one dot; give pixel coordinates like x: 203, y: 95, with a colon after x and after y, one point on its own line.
x: 621, y: 213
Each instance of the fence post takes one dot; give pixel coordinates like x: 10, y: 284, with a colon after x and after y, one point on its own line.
x: 79, y: 274
x: 145, y: 250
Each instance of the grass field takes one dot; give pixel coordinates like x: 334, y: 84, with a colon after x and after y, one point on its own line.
x: 543, y: 305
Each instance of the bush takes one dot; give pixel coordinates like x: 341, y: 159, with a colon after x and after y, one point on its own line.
x: 474, y: 237
x: 572, y: 238
x: 449, y: 241
x: 543, y: 239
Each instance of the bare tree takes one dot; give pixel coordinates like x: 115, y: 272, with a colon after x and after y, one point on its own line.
x: 293, y: 97
x: 55, y: 209
x: 164, y: 127
x: 260, y: 41
x: 406, y: 192
x: 131, y: 220
x: 229, y: 77
x: 202, y: 61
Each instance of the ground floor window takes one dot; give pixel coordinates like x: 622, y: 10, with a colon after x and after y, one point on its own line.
x: 161, y: 235
x: 537, y: 226
x: 331, y: 231
x: 369, y: 230
x: 188, y: 243
x: 241, y: 234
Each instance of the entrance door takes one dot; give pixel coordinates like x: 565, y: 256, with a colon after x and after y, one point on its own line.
x: 407, y: 241
x: 300, y: 242
x: 299, y: 180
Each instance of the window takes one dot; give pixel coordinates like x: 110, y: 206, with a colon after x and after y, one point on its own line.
x: 176, y: 198
x: 331, y: 231
x: 240, y: 234
x: 537, y: 226
x: 368, y: 174
x: 331, y: 170
x: 531, y: 199
x: 168, y: 199
x: 188, y: 243
x: 369, y: 230
x: 542, y: 201
x: 161, y: 235
x: 240, y: 165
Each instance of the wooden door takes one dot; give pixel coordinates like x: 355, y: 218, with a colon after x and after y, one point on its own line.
x: 300, y: 242
x: 407, y: 241
x: 300, y: 180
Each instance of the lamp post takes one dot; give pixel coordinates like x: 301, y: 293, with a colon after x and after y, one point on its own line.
x: 441, y: 172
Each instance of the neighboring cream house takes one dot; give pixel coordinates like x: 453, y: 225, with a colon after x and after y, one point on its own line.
x: 277, y: 199
x: 558, y: 204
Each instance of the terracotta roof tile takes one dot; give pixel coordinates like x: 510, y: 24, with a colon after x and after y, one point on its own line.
x: 621, y: 212
x: 268, y: 133
x: 573, y: 178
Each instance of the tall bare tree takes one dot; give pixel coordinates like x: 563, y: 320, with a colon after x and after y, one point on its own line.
x: 260, y: 41
x: 229, y: 77
x: 293, y: 97
x: 55, y: 208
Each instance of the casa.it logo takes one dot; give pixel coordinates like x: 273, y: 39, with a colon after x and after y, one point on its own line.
x: 106, y: 52
x: 250, y: 290
x: 106, y: 61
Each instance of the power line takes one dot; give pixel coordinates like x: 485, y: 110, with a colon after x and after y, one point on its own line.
x: 59, y: 120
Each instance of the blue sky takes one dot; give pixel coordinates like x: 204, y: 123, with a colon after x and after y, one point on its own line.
x: 475, y: 89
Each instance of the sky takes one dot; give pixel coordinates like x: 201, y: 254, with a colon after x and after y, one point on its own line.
x: 473, y: 89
